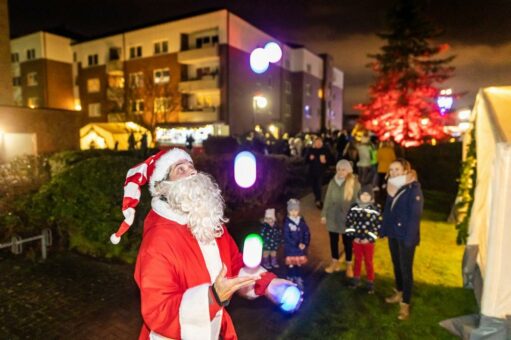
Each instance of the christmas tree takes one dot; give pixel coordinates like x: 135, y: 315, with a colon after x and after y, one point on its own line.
x: 402, y: 105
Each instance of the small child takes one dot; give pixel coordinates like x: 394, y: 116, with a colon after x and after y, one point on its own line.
x: 296, y: 241
x: 272, y: 237
x: 363, y: 223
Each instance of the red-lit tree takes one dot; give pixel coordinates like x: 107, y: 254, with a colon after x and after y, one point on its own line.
x: 402, y: 105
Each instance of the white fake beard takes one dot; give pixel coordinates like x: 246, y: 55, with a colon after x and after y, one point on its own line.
x: 199, y: 198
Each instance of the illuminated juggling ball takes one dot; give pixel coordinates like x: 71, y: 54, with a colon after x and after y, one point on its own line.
x: 259, y: 62
x: 291, y: 299
x: 252, y: 250
x: 273, y: 52
x: 245, y: 169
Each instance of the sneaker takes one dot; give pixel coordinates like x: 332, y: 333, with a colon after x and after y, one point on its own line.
x: 370, y: 288
x: 354, y: 283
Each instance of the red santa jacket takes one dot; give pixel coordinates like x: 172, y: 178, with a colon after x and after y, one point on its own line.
x: 174, y: 281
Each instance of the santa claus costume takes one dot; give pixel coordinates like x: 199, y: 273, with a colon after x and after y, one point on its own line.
x: 176, y: 265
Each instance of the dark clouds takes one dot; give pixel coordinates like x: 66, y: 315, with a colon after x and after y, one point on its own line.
x: 478, y: 31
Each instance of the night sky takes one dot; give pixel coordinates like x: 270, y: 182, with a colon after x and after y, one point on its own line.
x: 479, y: 32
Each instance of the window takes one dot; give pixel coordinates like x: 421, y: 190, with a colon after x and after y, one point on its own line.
x: 31, y: 54
x: 287, y: 86
x: 32, y: 79
x: 308, y: 89
x: 161, y: 47
x: 137, y: 106
x: 95, y: 110
x: 33, y: 102
x: 206, y: 41
x: 16, y: 81
x: 114, y: 53
x: 309, y: 68
x: 15, y: 57
x: 135, y: 52
x: 161, y: 76
x: 92, y: 59
x: 93, y: 85
x: 116, y: 81
x: 74, y: 57
x: 162, y: 104
x: 214, y: 39
x: 136, y: 79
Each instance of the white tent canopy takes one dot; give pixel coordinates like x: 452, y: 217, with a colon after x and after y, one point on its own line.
x: 106, y: 135
x: 489, y: 223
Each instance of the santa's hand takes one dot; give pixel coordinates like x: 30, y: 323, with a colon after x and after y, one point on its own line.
x: 226, y: 287
x: 276, y: 289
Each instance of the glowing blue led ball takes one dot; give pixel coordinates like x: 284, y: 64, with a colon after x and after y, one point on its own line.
x: 259, y: 62
x: 245, y: 169
x: 273, y: 52
x: 290, y: 299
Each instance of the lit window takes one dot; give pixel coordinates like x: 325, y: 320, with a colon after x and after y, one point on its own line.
x: 31, y: 54
x: 33, y: 102
x: 161, y: 76
x: 32, y: 79
x: 162, y: 104
x: 92, y: 59
x: 15, y: 57
x: 116, y: 81
x: 95, y: 110
x: 136, y: 79
x: 308, y: 89
x: 161, y: 47
x: 135, y: 52
x: 93, y: 85
x: 137, y: 106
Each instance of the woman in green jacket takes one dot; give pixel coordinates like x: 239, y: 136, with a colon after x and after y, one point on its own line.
x: 340, y: 195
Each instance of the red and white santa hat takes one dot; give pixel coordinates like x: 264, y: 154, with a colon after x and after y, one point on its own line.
x: 154, y: 169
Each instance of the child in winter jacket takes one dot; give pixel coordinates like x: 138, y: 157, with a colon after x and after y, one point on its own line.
x: 363, y: 223
x: 296, y: 241
x: 272, y: 238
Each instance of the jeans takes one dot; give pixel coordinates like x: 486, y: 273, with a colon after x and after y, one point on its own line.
x: 402, y: 260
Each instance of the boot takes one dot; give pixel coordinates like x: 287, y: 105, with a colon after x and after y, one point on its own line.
x: 266, y: 262
x: 396, y: 298
x: 331, y: 266
x: 337, y: 266
x: 404, y: 311
x: 354, y: 283
x: 349, y: 269
x: 274, y: 262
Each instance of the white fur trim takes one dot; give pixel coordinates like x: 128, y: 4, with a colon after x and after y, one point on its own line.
x: 115, y: 239
x: 194, y: 313
x: 248, y: 292
x: 139, y: 169
x: 162, y: 208
x: 132, y: 190
x: 129, y: 215
x: 164, y: 163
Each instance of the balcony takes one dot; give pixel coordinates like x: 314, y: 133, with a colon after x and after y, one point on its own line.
x: 208, y: 83
x: 198, y: 55
x: 115, y: 67
x: 199, y: 115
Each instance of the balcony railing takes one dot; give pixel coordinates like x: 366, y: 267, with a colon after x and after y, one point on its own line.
x: 207, y: 83
x: 199, y: 115
x: 114, y: 67
x: 198, y: 55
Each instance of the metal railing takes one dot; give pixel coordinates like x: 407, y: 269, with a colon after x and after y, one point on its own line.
x: 16, y: 243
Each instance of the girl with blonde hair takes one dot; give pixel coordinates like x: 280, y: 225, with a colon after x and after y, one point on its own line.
x: 340, y: 195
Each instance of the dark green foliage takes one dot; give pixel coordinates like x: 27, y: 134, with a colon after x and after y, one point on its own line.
x: 220, y: 145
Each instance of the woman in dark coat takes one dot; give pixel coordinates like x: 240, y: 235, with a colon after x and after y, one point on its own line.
x: 401, y: 224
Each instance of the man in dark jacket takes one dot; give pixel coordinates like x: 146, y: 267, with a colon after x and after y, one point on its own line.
x: 317, y: 158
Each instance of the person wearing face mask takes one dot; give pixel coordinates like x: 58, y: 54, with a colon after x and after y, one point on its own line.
x: 340, y: 195
x: 401, y: 224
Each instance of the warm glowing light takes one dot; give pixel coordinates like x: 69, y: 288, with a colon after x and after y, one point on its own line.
x: 433, y: 141
x: 92, y: 141
x: 132, y: 126
x: 375, y: 122
x: 320, y: 93
x: 464, y: 126
x: 260, y: 102
x: 424, y: 121
x: 78, y: 105
x: 245, y: 169
x: 257, y: 128
x: 252, y: 250
x: 464, y: 114
x: 452, y: 140
x: 259, y: 62
x: 272, y: 128
x: 273, y: 52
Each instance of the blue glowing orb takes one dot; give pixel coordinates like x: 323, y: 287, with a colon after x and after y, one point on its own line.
x: 273, y: 52
x: 290, y: 300
x: 259, y: 62
x: 252, y: 250
x: 245, y: 169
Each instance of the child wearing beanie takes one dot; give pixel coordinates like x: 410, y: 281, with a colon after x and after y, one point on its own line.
x: 296, y: 241
x: 363, y: 223
x: 272, y: 237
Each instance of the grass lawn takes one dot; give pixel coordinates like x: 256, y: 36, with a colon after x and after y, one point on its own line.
x: 336, y: 312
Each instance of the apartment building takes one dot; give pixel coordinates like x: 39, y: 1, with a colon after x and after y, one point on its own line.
x: 42, y: 71
x: 187, y: 76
